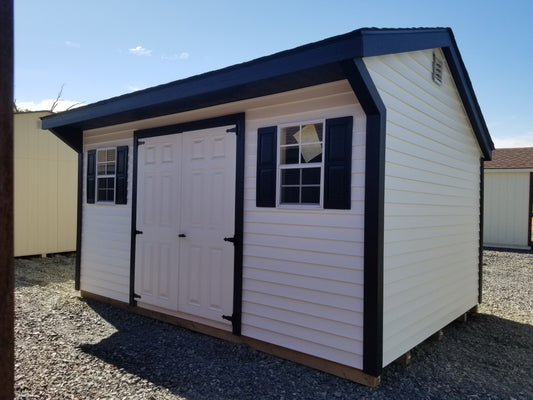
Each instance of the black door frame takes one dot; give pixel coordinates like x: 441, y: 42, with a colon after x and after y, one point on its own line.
x: 234, y: 119
x: 530, y: 213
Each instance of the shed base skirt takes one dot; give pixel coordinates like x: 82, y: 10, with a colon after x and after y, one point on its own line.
x: 343, y: 371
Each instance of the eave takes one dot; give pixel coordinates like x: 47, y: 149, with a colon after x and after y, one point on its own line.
x: 304, y: 66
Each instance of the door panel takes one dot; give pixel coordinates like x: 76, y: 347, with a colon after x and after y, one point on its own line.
x: 158, y: 188
x: 207, y: 217
x: 186, y: 185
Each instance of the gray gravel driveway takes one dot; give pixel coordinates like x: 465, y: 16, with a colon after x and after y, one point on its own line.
x: 72, y: 348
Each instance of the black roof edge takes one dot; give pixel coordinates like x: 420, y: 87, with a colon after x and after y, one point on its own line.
x: 468, y: 96
x: 307, y: 65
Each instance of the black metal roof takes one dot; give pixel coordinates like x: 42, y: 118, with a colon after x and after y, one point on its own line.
x: 307, y: 65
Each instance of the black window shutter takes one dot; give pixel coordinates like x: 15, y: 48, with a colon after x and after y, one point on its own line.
x: 338, y: 163
x: 91, y: 176
x: 266, y: 166
x: 121, y: 196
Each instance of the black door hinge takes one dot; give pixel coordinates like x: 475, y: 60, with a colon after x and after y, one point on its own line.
x: 140, y: 142
x: 232, y: 130
x: 228, y: 317
x: 136, y: 296
x: 138, y: 232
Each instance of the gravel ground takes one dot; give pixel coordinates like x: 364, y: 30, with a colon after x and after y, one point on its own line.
x: 72, y: 348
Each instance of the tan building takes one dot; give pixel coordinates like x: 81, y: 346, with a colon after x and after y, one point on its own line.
x: 508, y: 199
x: 45, y: 189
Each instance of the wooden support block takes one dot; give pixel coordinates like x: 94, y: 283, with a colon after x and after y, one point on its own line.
x: 405, y: 359
x: 439, y: 335
x: 462, y: 318
x: 474, y: 310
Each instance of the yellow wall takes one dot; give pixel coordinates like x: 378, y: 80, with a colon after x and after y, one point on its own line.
x: 45, y: 189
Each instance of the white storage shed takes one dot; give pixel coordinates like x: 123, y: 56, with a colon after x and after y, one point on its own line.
x: 321, y: 203
x: 508, y: 199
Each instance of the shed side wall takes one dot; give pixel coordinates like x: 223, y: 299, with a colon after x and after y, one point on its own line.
x: 431, y: 229
x: 506, y: 209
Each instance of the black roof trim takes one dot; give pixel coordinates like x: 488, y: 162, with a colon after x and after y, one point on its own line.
x: 307, y: 65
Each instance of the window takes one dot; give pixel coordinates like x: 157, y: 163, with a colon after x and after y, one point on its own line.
x: 309, y: 163
x: 107, y: 175
x: 301, y: 163
x: 105, y: 170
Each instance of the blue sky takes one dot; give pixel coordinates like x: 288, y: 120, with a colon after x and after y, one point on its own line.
x: 104, y: 48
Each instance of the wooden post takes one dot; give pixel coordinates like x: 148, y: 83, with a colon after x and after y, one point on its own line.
x: 404, y: 359
x: 7, y: 346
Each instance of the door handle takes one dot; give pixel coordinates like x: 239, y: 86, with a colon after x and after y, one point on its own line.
x: 182, y: 235
x: 230, y: 239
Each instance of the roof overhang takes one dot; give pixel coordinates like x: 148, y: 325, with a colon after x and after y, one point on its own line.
x: 304, y: 66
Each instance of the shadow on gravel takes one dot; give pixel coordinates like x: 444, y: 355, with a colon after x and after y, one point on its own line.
x: 487, y: 357
x: 37, y: 270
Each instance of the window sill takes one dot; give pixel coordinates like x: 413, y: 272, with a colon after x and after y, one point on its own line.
x: 288, y: 206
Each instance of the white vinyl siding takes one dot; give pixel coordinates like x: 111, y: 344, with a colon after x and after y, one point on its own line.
x: 506, y: 219
x: 303, y: 268
x: 106, y: 232
x: 431, y: 232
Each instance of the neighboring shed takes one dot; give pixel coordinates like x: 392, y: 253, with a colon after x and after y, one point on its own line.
x: 508, y: 199
x: 45, y: 189
x: 321, y: 203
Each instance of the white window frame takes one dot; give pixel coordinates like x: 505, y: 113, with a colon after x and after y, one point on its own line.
x: 281, y: 166
x: 105, y: 176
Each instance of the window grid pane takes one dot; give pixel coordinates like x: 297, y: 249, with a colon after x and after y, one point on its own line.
x: 300, y: 154
x: 300, y: 185
x: 106, y: 169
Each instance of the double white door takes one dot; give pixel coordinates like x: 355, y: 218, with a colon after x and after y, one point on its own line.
x: 185, y: 210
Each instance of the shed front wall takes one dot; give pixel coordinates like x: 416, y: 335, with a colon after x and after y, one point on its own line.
x: 302, y: 267
x: 432, y: 185
x: 44, y: 190
x: 506, y: 208
x: 106, y: 229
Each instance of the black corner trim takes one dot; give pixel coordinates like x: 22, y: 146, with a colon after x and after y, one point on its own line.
x: 79, y: 218
x: 134, y: 230
x: 338, y: 163
x: 530, y: 208
x: 481, y: 205
x: 121, y: 196
x: 91, y: 176
x: 368, y: 96
x: 266, y: 166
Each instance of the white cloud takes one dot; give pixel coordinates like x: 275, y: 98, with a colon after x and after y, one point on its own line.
x: 46, y: 104
x: 524, y: 140
x: 140, y: 51
x: 184, y: 56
